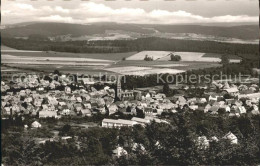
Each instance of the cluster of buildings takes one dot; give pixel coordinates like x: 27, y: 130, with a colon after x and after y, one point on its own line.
x: 45, y: 99
x: 218, y: 98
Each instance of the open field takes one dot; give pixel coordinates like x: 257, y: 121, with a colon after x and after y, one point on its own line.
x: 170, y: 65
x: 106, y: 63
x: 47, y: 60
x: 102, y: 56
x: 185, y: 56
x: 156, y: 55
x: 72, y: 69
x: 187, y: 65
x: 202, y: 57
x: 105, y: 56
x: 141, y: 71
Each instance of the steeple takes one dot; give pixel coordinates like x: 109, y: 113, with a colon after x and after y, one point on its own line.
x: 118, y: 88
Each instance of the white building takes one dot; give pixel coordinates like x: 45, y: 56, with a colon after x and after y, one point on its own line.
x: 141, y: 120
x: 36, y: 124
x: 109, y: 123
x: 119, y: 151
x: 203, y: 142
x: 230, y: 136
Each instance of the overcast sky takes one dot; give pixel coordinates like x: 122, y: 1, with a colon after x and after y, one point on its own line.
x: 134, y: 11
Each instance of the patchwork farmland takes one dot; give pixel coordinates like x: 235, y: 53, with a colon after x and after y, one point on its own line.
x: 130, y: 63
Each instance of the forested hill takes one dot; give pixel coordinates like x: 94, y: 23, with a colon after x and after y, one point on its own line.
x: 115, y: 46
x: 245, y: 32
x: 56, y: 29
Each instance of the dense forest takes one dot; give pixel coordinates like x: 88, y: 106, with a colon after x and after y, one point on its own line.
x: 177, y: 143
x: 114, y: 46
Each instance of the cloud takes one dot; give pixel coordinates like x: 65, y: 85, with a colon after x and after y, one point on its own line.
x: 88, y: 12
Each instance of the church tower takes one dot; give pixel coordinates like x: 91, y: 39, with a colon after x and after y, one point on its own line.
x: 118, y: 88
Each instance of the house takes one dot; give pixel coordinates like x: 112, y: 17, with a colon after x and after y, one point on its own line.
x: 3, y: 104
x: 194, y: 107
x: 40, y: 89
x: 15, y: 108
x: 106, y: 88
x: 226, y: 86
x: 67, y: 89
x: 38, y: 102
x: 78, y: 107
x: 213, y: 97
x: 85, y: 97
x: 62, y: 103
x: 65, y: 110
x: 214, y: 109
x: 156, y: 120
x: 127, y: 95
x: 207, y: 108
x: 158, y: 111
x: 232, y: 91
x: 241, y: 109
x: 7, y: 111
x: 138, y: 146
x: 36, y: 124
x: 202, y: 142
x: 119, y: 151
x: 48, y: 114
x: 226, y: 107
x: 141, y: 120
x: 66, y: 137
x: 202, y: 100
x: 230, y: 136
x: 181, y: 101
x: 148, y: 111
x: 52, y: 100
x: 102, y: 110
x: 88, y: 81
x: 86, y: 105
x: 255, y: 110
x: 28, y: 99
x: 112, y: 109
x: 230, y: 102
x: 214, y: 139
x: 79, y: 99
x: 250, y: 96
x: 85, y: 112
x: 110, y: 123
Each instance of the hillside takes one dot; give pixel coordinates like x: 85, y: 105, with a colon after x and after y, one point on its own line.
x: 56, y: 29
x: 245, y: 32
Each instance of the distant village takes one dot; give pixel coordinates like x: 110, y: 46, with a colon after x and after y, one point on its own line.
x: 39, y: 99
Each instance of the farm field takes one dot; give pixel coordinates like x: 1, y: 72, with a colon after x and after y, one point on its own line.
x: 141, y: 71
x: 54, y: 60
x: 106, y: 63
x: 185, y: 56
x: 156, y: 55
x: 187, y: 65
x: 102, y: 56
x: 202, y: 57
x: 72, y: 69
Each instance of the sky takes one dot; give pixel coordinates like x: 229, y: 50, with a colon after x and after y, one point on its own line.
x: 133, y: 11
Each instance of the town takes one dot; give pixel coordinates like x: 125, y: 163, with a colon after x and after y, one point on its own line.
x: 38, y: 99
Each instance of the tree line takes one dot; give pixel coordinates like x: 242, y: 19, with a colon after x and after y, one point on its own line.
x: 141, y: 44
x: 157, y: 143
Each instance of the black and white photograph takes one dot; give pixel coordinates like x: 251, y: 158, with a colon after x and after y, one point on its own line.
x: 130, y: 82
